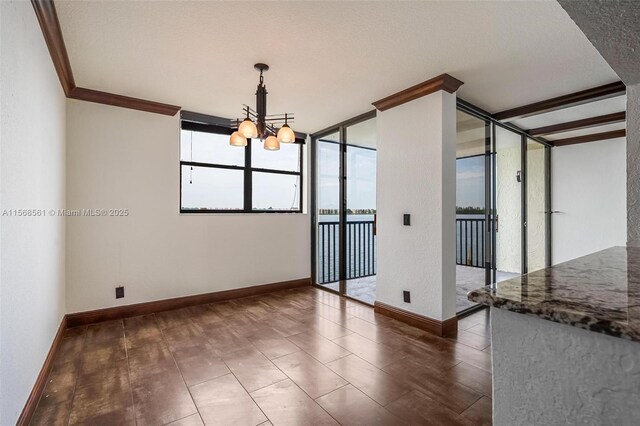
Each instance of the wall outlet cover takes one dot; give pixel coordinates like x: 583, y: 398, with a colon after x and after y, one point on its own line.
x: 407, y: 296
x: 119, y: 292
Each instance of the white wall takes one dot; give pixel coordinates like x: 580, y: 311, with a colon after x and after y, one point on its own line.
x: 589, y: 189
x: 416, y: 174
x: 32, y: 299
x: 120, y: 158
x: 545, y: 373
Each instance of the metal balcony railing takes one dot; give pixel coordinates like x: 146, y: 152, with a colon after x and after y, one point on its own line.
x: 470, y: 242
x: 361, y: 250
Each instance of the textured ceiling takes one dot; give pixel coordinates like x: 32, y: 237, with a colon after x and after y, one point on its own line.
x: 614, y: 29
x: 329, y: 60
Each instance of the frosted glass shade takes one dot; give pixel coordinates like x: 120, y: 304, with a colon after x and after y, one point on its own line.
x: 237, y: 139
x: 286, y: 135
x: 248, y: 129
x: 271, y: 143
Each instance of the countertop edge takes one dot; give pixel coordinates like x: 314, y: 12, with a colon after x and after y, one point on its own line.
x: 557, y: 315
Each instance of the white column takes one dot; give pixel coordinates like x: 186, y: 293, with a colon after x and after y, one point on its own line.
x: 416, y: 172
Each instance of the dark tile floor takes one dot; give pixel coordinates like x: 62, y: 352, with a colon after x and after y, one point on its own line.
x: 297, y: 357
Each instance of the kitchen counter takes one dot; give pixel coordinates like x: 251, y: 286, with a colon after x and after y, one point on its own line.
x: 599, y: 292
x: 564, y: 342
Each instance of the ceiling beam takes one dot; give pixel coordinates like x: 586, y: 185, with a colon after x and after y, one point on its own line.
x: 590, y: 138
x: 50, y: 25
x: 565, y: 101
x: 616, y: 117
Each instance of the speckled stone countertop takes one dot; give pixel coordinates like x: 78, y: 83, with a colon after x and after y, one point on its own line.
x: 599, y: 292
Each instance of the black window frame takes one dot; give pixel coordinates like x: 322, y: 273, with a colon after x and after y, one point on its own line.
x: 247, y: 169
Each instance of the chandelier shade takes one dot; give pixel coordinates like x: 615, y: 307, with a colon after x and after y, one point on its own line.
x: 286, y: 134
x: 271, y: 143
x: 248, y: 129
x: 237, y: 139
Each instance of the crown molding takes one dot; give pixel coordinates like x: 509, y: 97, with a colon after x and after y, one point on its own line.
x: 50, y: 25
x: 442, y: 82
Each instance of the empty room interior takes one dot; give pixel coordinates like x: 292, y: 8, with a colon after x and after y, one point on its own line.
x: 319, y: 212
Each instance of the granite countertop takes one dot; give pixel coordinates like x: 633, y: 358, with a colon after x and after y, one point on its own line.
x: 599, y: 292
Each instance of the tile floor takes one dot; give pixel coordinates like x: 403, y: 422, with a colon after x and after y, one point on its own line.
x: 296, y: 357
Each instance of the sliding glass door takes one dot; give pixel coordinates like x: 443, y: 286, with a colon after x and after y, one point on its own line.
x: 508, y: 220
x: 327, y: 214
x: 502, y: 203
x: 537, y: 213
x: 344, y: 200
x: 473, y: 195
x: 360, y: 180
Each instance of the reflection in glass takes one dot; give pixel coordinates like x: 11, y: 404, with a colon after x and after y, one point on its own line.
x: 536, y: 207
x: 508, y: 204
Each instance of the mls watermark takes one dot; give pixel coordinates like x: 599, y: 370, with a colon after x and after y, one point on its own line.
x: 65, y: 212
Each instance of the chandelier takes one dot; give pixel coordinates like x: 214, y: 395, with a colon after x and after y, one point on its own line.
x: 257, y: 124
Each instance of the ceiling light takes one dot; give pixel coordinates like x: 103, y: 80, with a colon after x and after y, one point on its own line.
x: 257, y: 124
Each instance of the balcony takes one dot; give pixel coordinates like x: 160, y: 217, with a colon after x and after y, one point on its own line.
x: 361, y: 259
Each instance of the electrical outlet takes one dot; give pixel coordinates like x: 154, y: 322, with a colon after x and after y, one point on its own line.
x: 407, y: 296
x: 406, y: 219
x: 119, y: 292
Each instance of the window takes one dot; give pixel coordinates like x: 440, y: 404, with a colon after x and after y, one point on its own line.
x: 220, y: 178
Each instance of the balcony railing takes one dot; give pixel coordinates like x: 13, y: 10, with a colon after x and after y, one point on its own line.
x: 361, y: 250
x: 470, y: 242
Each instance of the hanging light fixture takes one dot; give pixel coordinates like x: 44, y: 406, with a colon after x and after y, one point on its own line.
x: 257, y: 124
x: 236, y: 138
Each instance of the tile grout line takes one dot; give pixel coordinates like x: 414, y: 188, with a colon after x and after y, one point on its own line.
x: 179, y: 371
x: 126, y: 354
x: 279, y: 381
x: 249, y: 393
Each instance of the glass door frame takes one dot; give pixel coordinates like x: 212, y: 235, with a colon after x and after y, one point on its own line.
x: 490, y: 189
x: 341, y: 129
